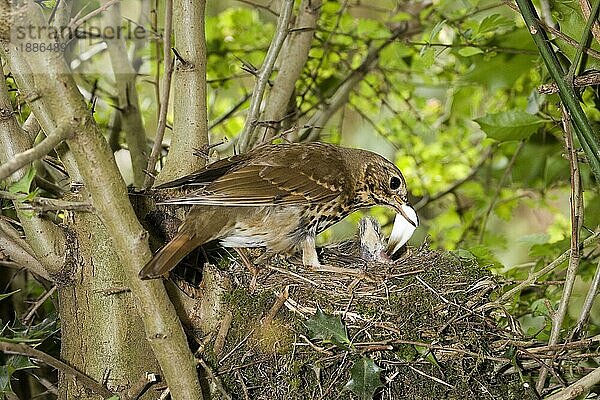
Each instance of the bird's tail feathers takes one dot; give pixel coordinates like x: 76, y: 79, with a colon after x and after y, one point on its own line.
x: 170, y: 255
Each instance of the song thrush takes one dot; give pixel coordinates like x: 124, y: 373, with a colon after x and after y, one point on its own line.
x: 279, y: 196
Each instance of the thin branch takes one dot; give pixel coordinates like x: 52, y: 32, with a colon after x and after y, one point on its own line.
x: 23, y: 349
x: 455, y: 185
x: 77, y: 23
x: 263, y: 75
x: 587, y: 32
x: 576, y: 201
x: 585, y: 133
x: 586, y: 9
x: 164, y: 97
x: 533, y: 277
x: 229, y: 113
x: 590, y: 297
x: 293, y: 59
x: 578, y: 388
x: 560, y: 35
x: 318, y: 121
x: 507, y: 171
x: 44, y: 204
x: 258, y: 5
x: 590, y: 78
x: 18, y: 161
x: 19, y: 250
x: 38, y: 304
x: 127, y: 97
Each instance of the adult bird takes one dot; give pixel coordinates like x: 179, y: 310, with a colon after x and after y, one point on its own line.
x: 279, y: 196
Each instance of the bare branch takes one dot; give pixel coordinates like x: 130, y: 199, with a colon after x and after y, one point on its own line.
x: 245, y: 138
x: 18, y: 161
x: 590, y: 297
x: 129, y: 107
x: 590, y: 78
x: 533, y: 277
x: 19, y: 251
x: 293, y: 58
x: 23, y: 349
x: 576, y: 202
x: 164, y: 97
x: 318, y: 121
x: 43, y: 204
x: 46, y: 239
x: 63, y: 103
x: 190, y: 123
x: 578, y: 388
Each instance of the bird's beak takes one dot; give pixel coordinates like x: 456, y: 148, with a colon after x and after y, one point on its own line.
x: 405, y: 224
x: 401, y: 207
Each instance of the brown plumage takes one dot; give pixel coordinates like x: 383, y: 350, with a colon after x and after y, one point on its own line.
x: 278, y: 196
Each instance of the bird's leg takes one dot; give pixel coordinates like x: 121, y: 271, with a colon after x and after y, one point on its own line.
x: 248, y: 264
x: 309, y: 252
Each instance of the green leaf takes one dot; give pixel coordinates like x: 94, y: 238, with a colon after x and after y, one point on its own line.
x: 328, y: 328
x: 485, y: 256
x: 469, y: 51
x: 509, y: 125
x: 494, y: 23
x: 365, y: 378
x: 23, y: 185
x: 436, y: 29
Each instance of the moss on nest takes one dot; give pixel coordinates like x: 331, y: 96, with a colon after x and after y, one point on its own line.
x: 418, y: 318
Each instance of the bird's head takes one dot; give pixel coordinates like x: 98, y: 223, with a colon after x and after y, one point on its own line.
x: 386, y: 186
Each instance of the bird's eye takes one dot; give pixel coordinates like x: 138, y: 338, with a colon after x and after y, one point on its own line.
x: 394, y: 183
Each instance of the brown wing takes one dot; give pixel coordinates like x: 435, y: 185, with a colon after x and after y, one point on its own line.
x: 208, y: 174
x: 277, y: 175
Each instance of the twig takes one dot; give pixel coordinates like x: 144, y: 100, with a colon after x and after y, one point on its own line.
x: 23, y: 349
x: 258, y: 5
x: 222, y: 333
x: 590, y: 78
x: 566, y: 38
x: 507, y: 171
x: 585, y: 133
x: 45, y: 204
x: 164, y: 97
x: 18, y: 161
x: 455, y: 185
x: 588, y: 303
x: 438, y: 380
x: 578, y: 388
x: 19, y: 250
x: 587, y: 31
x: 340, y: 96
x: 38, y: 304
x: 281, y: 299
x: 576, y: 222
x: 136, y: 390
x: 240, y: 378
x: 229, y: 113
x: 214, y: 378
x: 77, y: 23
x: 263, y: 75
x: 532, y: 278
x: 586, y: 9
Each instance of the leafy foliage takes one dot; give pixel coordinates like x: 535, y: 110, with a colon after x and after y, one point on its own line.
x: 365, y: 378
x: 328, y: 328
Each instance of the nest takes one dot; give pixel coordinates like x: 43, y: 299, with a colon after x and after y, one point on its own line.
x: 422, y: 319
